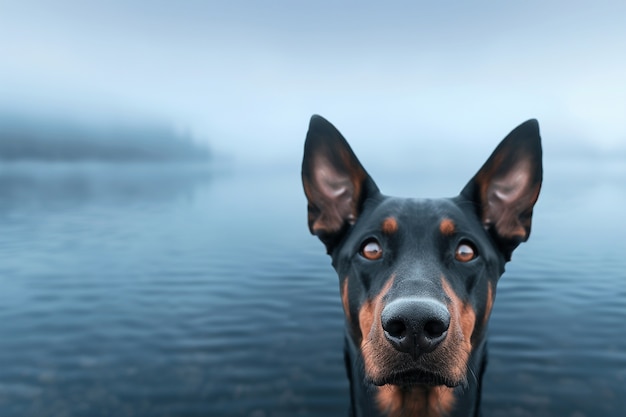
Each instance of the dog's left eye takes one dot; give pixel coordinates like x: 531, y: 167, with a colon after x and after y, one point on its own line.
x: 371, y: 250
x: 465, y: 252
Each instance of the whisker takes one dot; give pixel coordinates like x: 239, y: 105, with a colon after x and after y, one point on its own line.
x: 466, y: 383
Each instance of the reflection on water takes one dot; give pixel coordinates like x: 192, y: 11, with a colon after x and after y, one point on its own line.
x: 142, y: 291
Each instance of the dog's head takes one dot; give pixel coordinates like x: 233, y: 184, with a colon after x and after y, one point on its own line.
x: 418, y: 276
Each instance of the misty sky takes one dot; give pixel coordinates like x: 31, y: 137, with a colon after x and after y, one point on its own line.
x: 247, y: 75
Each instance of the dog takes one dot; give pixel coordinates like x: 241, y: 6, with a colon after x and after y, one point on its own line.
x: 418, y: 277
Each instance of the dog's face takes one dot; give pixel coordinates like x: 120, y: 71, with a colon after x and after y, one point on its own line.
x: 418, y: 277
x: 417, y: 282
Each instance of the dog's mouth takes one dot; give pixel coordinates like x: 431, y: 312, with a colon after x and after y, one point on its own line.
x: 416, y: 377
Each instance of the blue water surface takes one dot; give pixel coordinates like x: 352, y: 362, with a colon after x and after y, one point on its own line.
x: 143, y: 290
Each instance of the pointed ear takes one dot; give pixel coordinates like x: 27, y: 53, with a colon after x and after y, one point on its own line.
x: 506, y: 188
x: 335, y: 183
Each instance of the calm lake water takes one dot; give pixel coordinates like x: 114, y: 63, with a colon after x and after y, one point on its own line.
x: 145, y: 291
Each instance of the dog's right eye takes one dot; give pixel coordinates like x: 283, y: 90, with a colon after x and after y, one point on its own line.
x: 371, y: 250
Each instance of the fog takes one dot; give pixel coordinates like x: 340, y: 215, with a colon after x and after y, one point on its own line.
x: 402, y: 82
x: 32, y: 138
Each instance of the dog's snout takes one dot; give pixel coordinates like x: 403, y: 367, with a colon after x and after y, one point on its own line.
x: 415, y: 325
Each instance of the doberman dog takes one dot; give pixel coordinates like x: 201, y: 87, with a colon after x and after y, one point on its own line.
x: 418, y: 277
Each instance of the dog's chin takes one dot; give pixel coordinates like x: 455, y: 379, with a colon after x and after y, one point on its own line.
x: 415, y: 378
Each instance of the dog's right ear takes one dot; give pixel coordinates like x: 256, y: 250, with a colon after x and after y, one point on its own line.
x: 335, y: 183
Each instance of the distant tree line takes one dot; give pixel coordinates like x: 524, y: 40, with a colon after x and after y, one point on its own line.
x: 25, y: 138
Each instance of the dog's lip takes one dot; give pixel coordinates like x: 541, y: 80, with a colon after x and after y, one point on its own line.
x: 415, y: 377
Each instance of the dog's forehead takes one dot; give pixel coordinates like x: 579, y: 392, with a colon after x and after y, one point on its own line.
x: 412, y: 211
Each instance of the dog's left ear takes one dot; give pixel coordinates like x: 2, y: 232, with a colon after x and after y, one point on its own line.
x: 506, y: 188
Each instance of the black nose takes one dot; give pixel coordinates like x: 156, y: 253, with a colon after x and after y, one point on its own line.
x: 415, y: 325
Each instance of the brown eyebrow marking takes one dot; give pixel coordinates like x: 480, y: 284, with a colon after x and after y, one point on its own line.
x: 447, y: 227
x: 390, y: 225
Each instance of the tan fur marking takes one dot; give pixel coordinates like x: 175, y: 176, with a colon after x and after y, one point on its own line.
x: 489, y: 304
x: 344, y: 298
x: 419, y: 401
x: 390, y: 225
x: 366, y: 317
x: 447, y: 227
x: 369, y: 322
x: 462, y: 322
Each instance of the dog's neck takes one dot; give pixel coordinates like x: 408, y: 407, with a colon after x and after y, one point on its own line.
x: 368, y: 400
